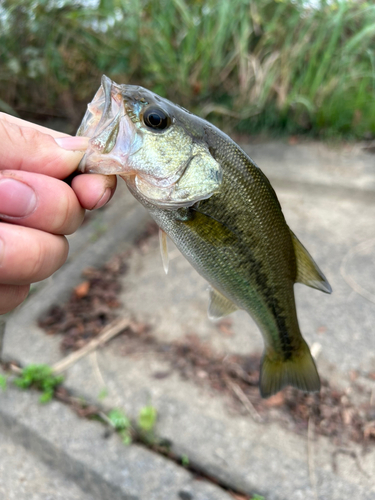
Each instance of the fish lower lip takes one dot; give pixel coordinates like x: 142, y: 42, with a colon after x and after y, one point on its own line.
x: 82, y: 164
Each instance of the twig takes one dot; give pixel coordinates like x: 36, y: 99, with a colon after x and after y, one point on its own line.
x: 107, y: 420
x: 310, y: 456
x: 245, y: 401
x: 95, y: 365
x: 239, y: 371
x: 15, y: 369
x: 107, y: 334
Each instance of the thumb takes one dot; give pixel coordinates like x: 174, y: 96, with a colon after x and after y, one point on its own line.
x: 29, y: 149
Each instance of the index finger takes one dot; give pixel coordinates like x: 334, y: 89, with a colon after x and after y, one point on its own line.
x: 29, y: 149
x: 23, y: 123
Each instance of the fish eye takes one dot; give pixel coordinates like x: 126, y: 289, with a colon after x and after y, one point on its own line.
x: 156, y: 118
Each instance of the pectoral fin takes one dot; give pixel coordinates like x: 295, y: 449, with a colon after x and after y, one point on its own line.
x: 219, y: 305
x: 308, y: 272
x: 164, y: 250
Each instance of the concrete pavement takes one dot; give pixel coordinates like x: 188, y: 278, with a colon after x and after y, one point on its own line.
x: 328, y: 197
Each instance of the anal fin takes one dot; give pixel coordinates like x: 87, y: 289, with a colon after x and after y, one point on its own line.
x: 164, y: 249
x: 308, y: 272
x: 219, y: 305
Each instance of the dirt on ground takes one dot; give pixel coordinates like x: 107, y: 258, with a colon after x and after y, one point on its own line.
x: 95, y: 303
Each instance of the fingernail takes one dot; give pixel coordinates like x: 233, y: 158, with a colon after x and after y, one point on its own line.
x: 103, y: 200
x: 16, y: 198
x: 73, y: 143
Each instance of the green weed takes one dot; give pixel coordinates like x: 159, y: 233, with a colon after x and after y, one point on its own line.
x: 103, y: 394
x: 3, y: 382
x: 146, y: 425
x: 143, y: 428
x: 147, y: 419
x: 121, y: 424
x: 40, y: 377
x: 273, y: 65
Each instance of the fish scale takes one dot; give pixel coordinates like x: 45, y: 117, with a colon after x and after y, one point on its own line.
x: 221, y: 212
x: 242, y: 280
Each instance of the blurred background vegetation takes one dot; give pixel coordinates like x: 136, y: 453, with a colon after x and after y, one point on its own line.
x: 275, y: 66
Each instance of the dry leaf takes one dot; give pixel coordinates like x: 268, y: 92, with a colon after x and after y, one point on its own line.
x: 82, y: 289
x: 276, y: 400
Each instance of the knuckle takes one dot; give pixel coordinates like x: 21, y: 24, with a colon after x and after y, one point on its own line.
x: 63, y: 216
x: 47, y: 256
x: 36, y: 260
x: 30, y: 255
x: 29, y: 134
x: 69, y: 216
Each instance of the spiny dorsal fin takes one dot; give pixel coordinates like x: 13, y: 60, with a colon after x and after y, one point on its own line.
x: 299, y: 371
x: 308, y: 272
x: 219, y: 305
x: 164, y: 249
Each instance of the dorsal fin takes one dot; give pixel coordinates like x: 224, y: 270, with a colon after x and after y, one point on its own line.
x: 308, y: 272
x: 164, y: 249
x: 219, y: 305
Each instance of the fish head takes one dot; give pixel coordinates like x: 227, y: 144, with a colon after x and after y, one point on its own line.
x: 158, y: 147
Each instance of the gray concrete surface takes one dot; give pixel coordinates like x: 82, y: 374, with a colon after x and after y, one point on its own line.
x: 328, y: 197
x: 84, y: 457
x: 22, y: 475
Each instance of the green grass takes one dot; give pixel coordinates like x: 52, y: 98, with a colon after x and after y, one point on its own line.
x: 266, y: 65
x: 40, y: 377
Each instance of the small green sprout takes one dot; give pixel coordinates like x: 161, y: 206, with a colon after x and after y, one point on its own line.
x: 103, y: 394
x: 42, y: 378
x: 118, y: 419
x: 257, y: 497
x: 3, y: 382
x: 121, y: 424
x: 147, y: 419
x: 185, y: 460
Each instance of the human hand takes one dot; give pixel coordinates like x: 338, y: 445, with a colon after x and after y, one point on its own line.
x: 36, y: 207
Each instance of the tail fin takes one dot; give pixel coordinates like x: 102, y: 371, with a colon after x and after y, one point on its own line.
x: 299, y: 371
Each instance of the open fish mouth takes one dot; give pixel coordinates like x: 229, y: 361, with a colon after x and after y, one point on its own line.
x: 142, y: 137
x: 113, y: 136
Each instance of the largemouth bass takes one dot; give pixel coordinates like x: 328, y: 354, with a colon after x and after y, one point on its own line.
x: 218, y: 208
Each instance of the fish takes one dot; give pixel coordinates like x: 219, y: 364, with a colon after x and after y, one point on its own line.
x: 219, y: 209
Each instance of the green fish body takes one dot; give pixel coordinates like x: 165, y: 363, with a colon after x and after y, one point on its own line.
x: 220, y: 210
